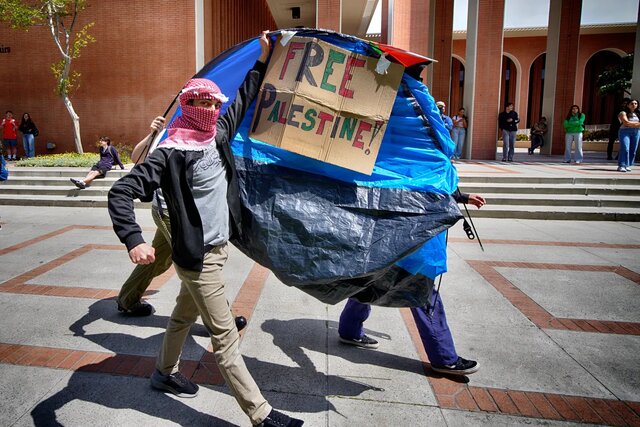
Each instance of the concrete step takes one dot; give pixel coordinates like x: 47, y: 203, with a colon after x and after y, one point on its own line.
x: 617, y: 180
x: 551, y: 189
x: 55, y: 181
x: 562, y: 200
x: 71, y: 201
x: 572, y: 213
x: 63, y: 172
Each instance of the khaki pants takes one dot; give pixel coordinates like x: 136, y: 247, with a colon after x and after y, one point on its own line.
x: 141, y: 276
x: 203, y: 293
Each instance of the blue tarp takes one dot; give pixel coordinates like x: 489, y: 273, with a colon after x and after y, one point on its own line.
x: 336, y: 233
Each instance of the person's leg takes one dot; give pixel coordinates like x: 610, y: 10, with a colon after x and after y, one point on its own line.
x: 579, y: 155
x: 32, y: 146
x: 512, y: 145
x: 91, y: 176
x: 142, y: 275
x: 568, y: 141
x: 505, y: 144
x: 25, y: 145
x: 207, y: 290
x: 435, y: 333
x: 633, y: 147
x: 612, y: 140
x: 352, y: 319
x: 623, y: 153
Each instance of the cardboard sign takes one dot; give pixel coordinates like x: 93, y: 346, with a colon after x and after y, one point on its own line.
x: 325, y: 102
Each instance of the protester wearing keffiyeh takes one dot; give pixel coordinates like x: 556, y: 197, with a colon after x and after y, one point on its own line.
x: 195, y: 129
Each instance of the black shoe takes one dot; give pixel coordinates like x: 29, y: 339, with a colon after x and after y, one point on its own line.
x: 504, y: 160
x: 609, y: 157
x: 176, y: 383
x: 139, y: 309
x: 278, y: 419
x: 364, y: 342
x: 241, y: 322
x: 461, y: 367
x: 78, y: 183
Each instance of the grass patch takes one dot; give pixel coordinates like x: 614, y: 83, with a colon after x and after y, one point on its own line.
x: 67, y: 160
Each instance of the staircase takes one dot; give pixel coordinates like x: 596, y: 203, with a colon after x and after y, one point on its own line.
x: 615, y: 198
x: 609, y: 197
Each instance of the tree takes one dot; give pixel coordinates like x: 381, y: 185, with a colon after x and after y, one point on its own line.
x: 617, y: 78
x: 61, y: 17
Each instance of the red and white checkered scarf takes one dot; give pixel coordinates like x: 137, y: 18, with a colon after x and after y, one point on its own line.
x: 195, y: 129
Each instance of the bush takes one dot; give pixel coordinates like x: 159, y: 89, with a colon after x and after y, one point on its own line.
x: 71, y: 160
x: 74, y: 160
x: 522, y: 137
x: 596, y: 135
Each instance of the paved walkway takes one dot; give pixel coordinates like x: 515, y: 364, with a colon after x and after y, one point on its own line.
x: 550, y: 310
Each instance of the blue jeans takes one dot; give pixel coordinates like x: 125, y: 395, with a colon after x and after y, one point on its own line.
x: 29, y: 143
x: 434, y: 331
x: 508, y: 144
x: 628, y: 146
x: 458, y: 137
x: 569, y: 139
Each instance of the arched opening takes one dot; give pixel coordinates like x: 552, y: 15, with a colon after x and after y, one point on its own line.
x: 536, y: 89
x: 457, y: 85
x: 597, y: 108
x: 509, y: 82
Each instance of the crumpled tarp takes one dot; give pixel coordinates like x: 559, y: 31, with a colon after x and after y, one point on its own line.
x: 336, y: 233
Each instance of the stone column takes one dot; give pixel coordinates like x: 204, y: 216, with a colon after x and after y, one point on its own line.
x: 563, y: 38
x: 483, y: 76
x: 403, y: 23
x: 441, y: 46
x: 635, y: 85
x: 329, y: 15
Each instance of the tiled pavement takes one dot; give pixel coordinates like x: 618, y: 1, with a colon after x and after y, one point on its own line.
x: 550, y: 310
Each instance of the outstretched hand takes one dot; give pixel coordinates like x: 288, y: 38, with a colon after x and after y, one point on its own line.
x: 142, y: 254
x: 265, y: 45
x: 477, y: 200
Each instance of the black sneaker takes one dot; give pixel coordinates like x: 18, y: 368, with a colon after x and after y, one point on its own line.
x: 278, y: 419
x: 364, y: 342
x: 241, y: 322
x: 139, y: 309
x: 78, y: 183
x: 461, y: 367
x: 176, y: 383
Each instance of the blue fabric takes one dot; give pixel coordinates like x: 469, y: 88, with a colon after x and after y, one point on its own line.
x: 414, y: 155
x: 4, y: 172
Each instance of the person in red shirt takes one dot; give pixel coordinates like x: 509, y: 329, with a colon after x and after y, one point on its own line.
x: 9, y: 135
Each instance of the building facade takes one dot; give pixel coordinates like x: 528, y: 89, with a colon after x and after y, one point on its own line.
x: 146, y: 50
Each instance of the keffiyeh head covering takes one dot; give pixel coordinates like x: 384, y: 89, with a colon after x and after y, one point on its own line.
x: 195, y: 129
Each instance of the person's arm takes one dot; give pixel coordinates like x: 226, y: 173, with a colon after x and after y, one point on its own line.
x: 516, y: 120
x: 140, y: 183
x: 625, y: 121
x: 247, y: 91
x: 474, y: 199
x: 137, y: 154
x: 116, y: 157
x: 581, y: 119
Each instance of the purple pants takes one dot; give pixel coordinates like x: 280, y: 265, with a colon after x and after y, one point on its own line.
x: 434, y: 330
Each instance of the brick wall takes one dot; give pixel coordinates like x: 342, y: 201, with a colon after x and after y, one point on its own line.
x: 145, y: 51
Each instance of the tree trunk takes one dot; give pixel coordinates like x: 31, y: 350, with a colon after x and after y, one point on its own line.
x: 76, y: 123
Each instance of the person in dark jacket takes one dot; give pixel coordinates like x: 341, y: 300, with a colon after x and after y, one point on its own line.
x: 108, y: 157
x: 29, y: 132
x: 430, y: 320
x: 194, y: 168
x: 508, y: 123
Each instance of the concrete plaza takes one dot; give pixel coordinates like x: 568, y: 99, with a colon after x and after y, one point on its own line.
x: 549, y: 309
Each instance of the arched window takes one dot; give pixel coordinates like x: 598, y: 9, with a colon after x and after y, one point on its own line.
x: 599, y: 109
x: 536, y: 90
x: 457, y: 85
